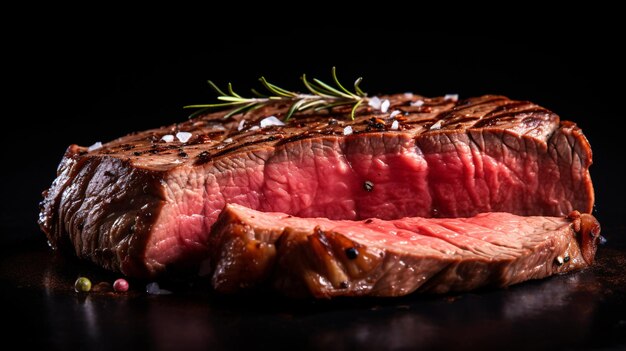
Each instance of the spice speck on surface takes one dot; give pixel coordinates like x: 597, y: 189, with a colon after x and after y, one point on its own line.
x: 97, y: 145
x: 352, y: 253
x: 559, y: 261
x: 451, y: 97
x: 437, y: 125
x: 374, y: 102
x: 183, y: 136
x: 395, y: 125
x: 154, y: 289
x: 394, y: 113
x: 120, y: 285
x: 82, y: 284
x: 368, y: 186
x: 602, y: 240
x: 271, y: 121
x: 384, y: 106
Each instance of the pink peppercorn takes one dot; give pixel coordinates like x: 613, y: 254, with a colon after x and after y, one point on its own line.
x: 120, y: 285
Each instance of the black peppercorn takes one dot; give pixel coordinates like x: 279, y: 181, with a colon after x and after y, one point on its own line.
x: 352, y: 253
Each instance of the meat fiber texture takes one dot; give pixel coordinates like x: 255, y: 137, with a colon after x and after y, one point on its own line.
x: 144, y: 205
x: 327, y: 258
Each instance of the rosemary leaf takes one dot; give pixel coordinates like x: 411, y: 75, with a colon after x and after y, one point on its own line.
x: 226, y: 104
x: 276, y: 90
x: 321, y: 96
x: 257, y: 94
x: 241, y: 109
x: 331, y: 89
x: 334, y: 72
x: 232, y: 92
x: 199, y: 112
x: 294, y: 107
x: 311, y: 104
x: 314, y: 89
x: 357, y: 88
x: 354, y: 109
x: 233, y: 99
x: 334, y: 104
x: 216, y: 88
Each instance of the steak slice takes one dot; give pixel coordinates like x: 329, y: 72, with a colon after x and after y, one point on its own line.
x: 326, y: 258
x: 144, y: 206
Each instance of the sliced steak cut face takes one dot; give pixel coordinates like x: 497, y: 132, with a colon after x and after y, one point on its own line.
x: 145, y: 206
x: 325, y: 258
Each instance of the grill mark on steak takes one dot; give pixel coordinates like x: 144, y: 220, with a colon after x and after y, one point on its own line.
x: 527, y: 162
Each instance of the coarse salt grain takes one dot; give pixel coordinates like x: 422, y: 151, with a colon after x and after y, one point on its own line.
x: 374, y: 102
x: 216, y: 126
x: 408, y: 95
x: 417, y: 103
x: 254, y: 128
x: 183, y: 136
x: 384, y: 106
x: 97, y: 145
x: 271, y: 121
x: 394, y: 113
x: 347, y: 130
x: 154, y: 289
x: 228, y: 141
x: 436, y: 125
x: 241, y: 123
x: 452, y: 97
x: 168, y: 138
x: 395, y: 125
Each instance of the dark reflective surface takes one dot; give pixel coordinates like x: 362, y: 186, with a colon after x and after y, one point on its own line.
x: 77, y: 90
x: 578, y: 311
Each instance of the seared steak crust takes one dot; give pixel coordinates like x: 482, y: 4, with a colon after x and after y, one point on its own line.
x: 144, y: 206
x: 325, y: 258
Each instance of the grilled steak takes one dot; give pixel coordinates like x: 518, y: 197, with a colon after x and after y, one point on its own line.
x: 325, y: 258
x: 144, y: 205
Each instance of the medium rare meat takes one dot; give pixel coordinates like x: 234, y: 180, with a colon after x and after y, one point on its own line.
x: 326, y: 258
x: 144, y: 204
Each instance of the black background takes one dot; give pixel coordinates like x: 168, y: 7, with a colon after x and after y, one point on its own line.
x: 80, y: 83
x: 82, y: 87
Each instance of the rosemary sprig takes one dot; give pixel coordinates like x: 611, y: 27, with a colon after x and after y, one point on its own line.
x: 321, y: 96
